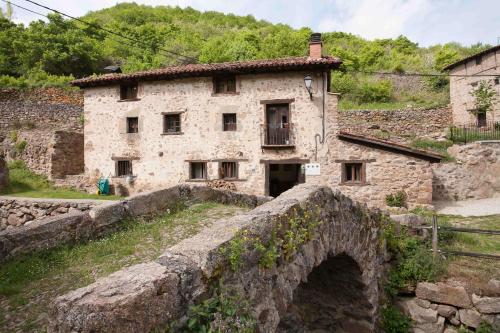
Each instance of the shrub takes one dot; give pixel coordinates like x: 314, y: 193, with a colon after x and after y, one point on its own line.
x: 378, y: 91
x: 396, y: 200
x: 21, y: 146
x: 393, y: 321
x: 13, y: 136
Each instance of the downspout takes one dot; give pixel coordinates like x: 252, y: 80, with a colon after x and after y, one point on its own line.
x: 317, y: 136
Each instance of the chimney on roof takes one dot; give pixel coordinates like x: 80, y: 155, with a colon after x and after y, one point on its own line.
x: 315, y: 46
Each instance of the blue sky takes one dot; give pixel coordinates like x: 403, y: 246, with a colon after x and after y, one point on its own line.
x: 424, y: 21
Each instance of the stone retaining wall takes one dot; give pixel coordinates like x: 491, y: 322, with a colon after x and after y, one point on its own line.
x: 474, y: 175
x: 148, y: 296
x: 445, y: 307
x: 397, y: 125
x: 17, y: 212
x: 76, y: 226
x: 4, y: 173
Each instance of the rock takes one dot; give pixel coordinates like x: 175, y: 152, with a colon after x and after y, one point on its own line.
x: 423, y: 303
x: 444, y: 293
x: 408, y: 220
x: 493, y: 287
x: 455, y: 320
x: 470, y: 317
x: 418, y: 313
x: 450, y: 330
x: 446, y: 311
x: 487, y: 305
x: 62, y: 210
x: 437, y: 327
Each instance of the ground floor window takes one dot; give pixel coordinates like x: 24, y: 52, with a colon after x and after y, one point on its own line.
x: 481, y: 119
x: 123, y: 168
x: 228, y: 170
x: 198, y: 170
x: 353, y: 173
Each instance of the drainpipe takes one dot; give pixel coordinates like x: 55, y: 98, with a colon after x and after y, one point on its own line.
x: 321, y: 137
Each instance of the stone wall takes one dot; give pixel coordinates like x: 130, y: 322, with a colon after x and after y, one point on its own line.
x: 397, y: 125
x: 474, y: 175
x: 4, y: 173
x: 445, y: 307
x: 47, y: 152
x: 41, y: 108
x: 17, y: 212
x: 151, y: 295
x: 75, y: 226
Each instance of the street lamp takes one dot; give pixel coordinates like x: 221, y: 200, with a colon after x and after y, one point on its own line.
x: 308, y: 81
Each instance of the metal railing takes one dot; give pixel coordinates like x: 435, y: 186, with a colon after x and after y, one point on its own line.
x: 475, y: 132
x: 277, y: 135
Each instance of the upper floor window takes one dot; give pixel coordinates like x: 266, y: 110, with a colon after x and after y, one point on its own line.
x: 353, y: 173
x: 228, y: 170
x: 229, y: 121
x: 224, y: 84
x: 128, y: 91
x: 132, y: 125
x: 497, y: 80
x: 172, y: 123
x: 479, y: 60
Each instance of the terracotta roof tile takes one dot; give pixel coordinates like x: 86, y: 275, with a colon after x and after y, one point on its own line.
x: 199, y: 70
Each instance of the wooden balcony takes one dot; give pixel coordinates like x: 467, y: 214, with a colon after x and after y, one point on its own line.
x: 277, y: 136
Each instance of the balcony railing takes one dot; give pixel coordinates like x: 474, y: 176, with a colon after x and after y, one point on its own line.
x: 277, y: 136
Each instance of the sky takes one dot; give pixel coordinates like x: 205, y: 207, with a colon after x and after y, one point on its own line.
x: 426, y: 22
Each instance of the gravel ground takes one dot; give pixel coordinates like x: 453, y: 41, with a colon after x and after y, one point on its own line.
x: 481, y: 207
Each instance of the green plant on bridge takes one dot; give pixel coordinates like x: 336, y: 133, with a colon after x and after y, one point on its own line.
x: 269, y: 252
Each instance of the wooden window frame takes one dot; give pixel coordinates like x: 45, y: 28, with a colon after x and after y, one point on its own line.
x: 236, y: 166
x: 229, y: 127
x: 124, y: 91
x: 344, y: 180
x: 129, y: 128
x: 117, y: 168
x: 205, y: 164
x: 165, y: 117
x: 225, y: 90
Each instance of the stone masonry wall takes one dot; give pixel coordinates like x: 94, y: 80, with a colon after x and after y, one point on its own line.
x: 445, y: 307
x: 397, y: 125
x: 149, y: 296
x: 4, y: 173
x: 59, y: 228
x: 17, y: 212
x: 474, y: 175
x: 67, y: 154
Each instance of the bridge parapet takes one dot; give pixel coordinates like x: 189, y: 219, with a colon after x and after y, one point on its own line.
x: 266, y: 255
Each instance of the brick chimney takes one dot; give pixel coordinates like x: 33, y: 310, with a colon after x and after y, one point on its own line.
x: 315, y: 46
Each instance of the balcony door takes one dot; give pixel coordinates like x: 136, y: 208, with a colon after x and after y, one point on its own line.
x: 277, y: 124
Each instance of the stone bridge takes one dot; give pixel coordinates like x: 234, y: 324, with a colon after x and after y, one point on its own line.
x: 317, y: 269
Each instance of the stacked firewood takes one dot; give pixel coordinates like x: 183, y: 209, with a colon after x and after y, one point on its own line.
x: 222, y: 184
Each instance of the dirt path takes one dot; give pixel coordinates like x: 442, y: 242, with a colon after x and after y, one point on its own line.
x: 481, y: 207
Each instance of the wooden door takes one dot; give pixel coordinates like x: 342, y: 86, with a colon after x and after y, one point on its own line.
x: 277, y: 124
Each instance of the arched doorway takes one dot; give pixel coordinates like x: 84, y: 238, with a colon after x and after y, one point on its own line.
x: 332, y: 300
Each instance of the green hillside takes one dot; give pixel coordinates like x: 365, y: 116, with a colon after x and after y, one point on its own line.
x: 51, y: 53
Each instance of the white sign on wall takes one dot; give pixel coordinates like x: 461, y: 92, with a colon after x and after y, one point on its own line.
x: 313, y: 169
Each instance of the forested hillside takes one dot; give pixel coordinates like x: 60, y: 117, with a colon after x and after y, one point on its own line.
x: 53, y: 52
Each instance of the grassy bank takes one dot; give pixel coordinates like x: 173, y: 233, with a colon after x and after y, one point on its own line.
x: 29, y: 283
x: 24, y: 183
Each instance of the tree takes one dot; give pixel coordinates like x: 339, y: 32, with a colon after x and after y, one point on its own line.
x: 484, y: 97
x: 9, y: 12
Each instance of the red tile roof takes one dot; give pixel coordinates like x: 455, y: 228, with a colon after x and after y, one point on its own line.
x: 199, y: 70
x: 464, y: 60
x: 390, y: 146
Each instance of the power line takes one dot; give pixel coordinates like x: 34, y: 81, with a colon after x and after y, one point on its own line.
x: 43, y: 15
x: 423, y: 74
x: 96, y: 26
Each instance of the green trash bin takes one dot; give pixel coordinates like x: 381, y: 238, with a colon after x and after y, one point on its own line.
x: 103, y: 186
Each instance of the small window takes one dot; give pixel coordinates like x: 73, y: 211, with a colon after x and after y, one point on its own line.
x: 497, y: 80
x: 123, y: 168
x: 479, y: 60
x: 228, y: 170
x: 481, y: 119
x: 474, y: 84
x: 198, y: 170
x: 132, y: 125
x: 229, y: 120
x: 172, y: 123
x: 224, y: 85
x: 353, y: 173
x: 128, y: 91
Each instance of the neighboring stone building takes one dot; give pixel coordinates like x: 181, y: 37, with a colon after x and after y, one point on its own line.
x: 252, y: 123
x: 4, y: 173
x: 465, y: 75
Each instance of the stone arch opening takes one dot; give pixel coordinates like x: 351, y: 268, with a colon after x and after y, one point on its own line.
x: 332, y: 300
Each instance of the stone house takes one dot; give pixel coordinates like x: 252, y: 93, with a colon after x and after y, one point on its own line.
x: 465, y: 76
x: 264, y: 125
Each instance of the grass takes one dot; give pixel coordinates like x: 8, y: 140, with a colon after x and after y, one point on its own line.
x: 29, y: 283
x: 24, y: 183
x: 439, y: 147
